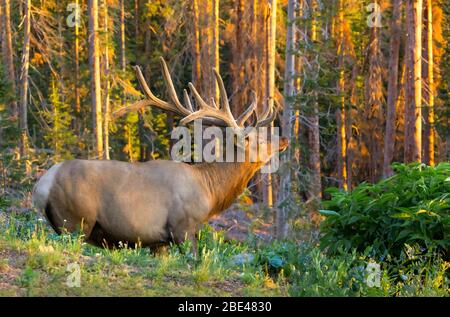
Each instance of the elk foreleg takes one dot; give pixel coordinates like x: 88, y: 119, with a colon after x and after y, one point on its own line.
x: 178, y: 237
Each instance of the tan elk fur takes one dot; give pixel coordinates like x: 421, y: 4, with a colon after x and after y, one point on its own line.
x: 153, y: 202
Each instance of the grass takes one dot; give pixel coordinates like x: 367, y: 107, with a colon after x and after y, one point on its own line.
x: 34, y: 261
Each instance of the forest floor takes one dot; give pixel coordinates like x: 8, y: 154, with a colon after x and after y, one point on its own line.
x: 27, y: 274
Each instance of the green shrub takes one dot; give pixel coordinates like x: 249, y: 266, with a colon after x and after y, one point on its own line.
x: 277, y: 257
x: 411, y: 207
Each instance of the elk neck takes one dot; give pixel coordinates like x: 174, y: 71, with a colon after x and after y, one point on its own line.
x: 225, y: 181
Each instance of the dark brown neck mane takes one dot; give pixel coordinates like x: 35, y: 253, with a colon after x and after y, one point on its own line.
x: 225, y: 181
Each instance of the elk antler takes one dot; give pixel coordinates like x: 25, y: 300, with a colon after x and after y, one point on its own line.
x: 212, y: 113
x: 224, y: 113
x: 173, y: 106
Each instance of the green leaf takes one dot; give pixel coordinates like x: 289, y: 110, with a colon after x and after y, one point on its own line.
x: 276, y: 261
x: 401, y: 215
x: 328, y: 212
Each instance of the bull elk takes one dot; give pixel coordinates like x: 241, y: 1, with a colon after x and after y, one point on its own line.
x: 155, y: 202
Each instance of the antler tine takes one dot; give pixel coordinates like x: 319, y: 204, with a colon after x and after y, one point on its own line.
x: 135, y: 106
x: 224, y: 112
x: 214, y: 105
x: 187, y: 100
x: 190, y: 106
x: 171, y: 89
x: 268, y: 120
x: 201, y: 104
x: 206, y: 111
x: 225, y: 105
x: 246, y: 114
x: 267, y: 111
x: 152, y: 100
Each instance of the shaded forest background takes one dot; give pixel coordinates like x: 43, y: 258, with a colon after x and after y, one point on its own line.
x: 341, y: 74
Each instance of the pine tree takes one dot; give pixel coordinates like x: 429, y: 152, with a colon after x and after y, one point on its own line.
x: 94, y: 61
x: 23, y: 113
x: 393, y: 87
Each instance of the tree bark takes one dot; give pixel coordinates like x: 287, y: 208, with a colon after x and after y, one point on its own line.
x: 409, y: 83
x: 270, y: 95
x: 289, y: 73
x: 196, y: 69
x: 107, y: 81
x: 136, y: 29
x: 94, y: 62
x: 2, y: 30
x: 413, y: 104
x: 77, y: 72
x: 429, y: 141
x: 298, y: 86
x: 315, y: 190
x: 206, y: 43
x: 23, y: 113
x: 340, y: 112
x: 389, y: 139
x: 417, y: 149
x: 141, y: 112
x: 122, y: 37
x: 374, y: 100
x: 8, y: 54
x: 215, y: 47
x: 238, y: 58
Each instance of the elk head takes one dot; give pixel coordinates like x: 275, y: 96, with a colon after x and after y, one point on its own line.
x: 155, y: 202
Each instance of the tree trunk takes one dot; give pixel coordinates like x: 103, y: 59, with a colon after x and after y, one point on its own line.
x: 298, y: 86
x: 417, y: 149
x: 271, y: 53
x: 141, y: 112
x: 196, y: 69
x: 107, y: 81
x: 260, y: 30
x: 429, y: 141
x: 23, y: 113
x: 374, y: 100
x: 122, y: 36
x: 413, y: 104
x: 205, y: 48
x: 270, y: 95
x: 315, y: 190
x: 77, y: 71
x: 94, y: 62
x: 136, y: 29
x: 409, y: 83
x: 148, y: 44
x: 289, y: 73
x: 340, y: 112
x: 389, y: 139
x: 253, y: 60
x: 2, y: 30
x: 8, y: 54
x: 238, y: 58
x: 215, y: 47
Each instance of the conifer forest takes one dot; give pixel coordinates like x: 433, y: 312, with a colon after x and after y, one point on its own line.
x: 351, y: 99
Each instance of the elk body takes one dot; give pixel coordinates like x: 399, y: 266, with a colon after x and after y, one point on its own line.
x: 151, y: 203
